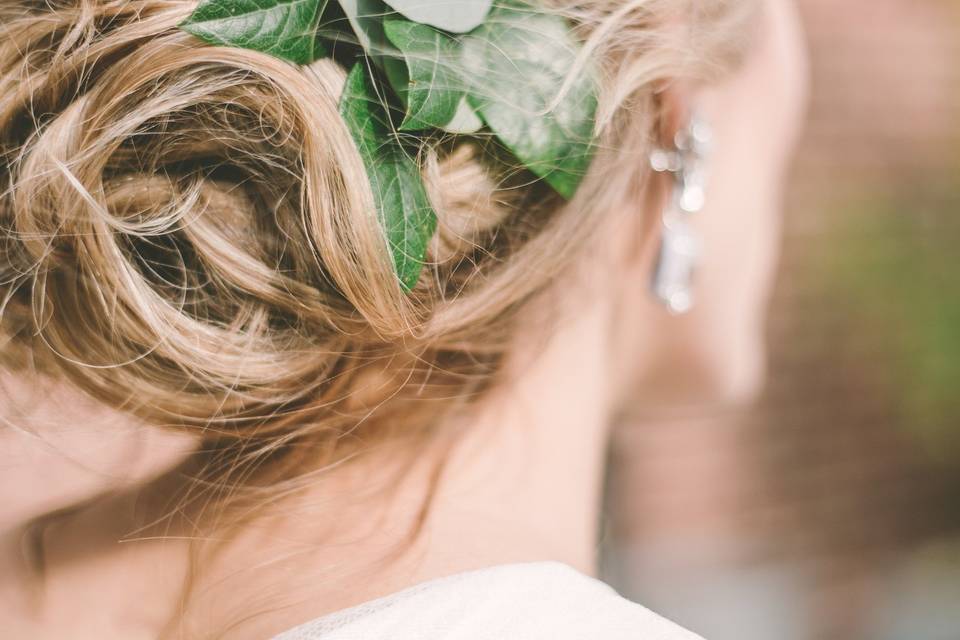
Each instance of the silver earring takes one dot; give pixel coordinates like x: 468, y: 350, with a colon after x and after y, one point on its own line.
x: 679, y: 245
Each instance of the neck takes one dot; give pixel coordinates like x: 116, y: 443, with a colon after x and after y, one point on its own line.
x: 520, y: 482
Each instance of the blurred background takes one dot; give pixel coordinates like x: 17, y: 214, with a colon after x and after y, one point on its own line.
x: 831, y: 510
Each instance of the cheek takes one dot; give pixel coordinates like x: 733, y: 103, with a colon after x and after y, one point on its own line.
x: 715, y: 352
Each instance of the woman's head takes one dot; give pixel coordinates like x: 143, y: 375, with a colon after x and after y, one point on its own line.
x: 189, y: 233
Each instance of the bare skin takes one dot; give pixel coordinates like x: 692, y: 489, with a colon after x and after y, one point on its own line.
x: 521, y: 482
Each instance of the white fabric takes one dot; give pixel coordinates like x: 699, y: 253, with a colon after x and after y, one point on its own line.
x: 528, y: 601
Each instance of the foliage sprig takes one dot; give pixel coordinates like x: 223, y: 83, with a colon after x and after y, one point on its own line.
x: 419, y: 67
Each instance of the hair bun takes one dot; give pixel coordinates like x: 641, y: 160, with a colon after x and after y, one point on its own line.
x: 184, y: 223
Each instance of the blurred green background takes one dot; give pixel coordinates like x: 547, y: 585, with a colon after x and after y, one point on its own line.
x: 831, y: 510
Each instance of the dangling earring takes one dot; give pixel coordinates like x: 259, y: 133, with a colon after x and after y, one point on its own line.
x: 679, y: 245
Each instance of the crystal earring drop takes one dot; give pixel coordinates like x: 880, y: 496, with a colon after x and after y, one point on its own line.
x: 679, y: 245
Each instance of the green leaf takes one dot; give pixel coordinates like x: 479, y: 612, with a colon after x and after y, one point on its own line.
x: 518, y: 61
x: 402, y: 204
x: 283, y: 28
x: 457, y: 16
x: 366, y: 19
x: 465, y: 120
x: 433, y: 87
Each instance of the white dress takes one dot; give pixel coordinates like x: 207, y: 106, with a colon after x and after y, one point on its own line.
x: 525, y: 601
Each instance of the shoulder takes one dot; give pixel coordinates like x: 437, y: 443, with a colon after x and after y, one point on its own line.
x: 528, y: 601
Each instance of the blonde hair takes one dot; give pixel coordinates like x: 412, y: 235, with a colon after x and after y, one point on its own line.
x: 188, y: 233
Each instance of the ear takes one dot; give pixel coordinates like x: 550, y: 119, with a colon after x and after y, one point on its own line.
x: 672, y: 105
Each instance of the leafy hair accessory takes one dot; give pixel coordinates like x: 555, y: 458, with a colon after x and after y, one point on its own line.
x: 423, y: 67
